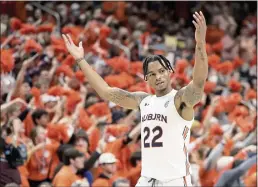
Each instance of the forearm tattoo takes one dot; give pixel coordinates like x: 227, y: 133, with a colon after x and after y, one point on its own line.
x: 120, y: 96
x: 202, y: 52
x: 117, y: 95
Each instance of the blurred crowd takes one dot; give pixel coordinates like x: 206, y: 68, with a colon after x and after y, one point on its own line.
x: 56, y: 131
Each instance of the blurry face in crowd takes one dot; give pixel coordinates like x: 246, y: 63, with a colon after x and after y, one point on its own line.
x: 74, y: 83
x: 195, y: 130
x: 46, y: 37
x: 41, y: 135
x: 50, y: 104
x: 15, y: 113
x: 44, y: 74
x: 43, y: 120
x: 25, y: 89
x: 81, y: 144
x: 18, y: 126
x: 35, y: 79
x: 43, y: 88
x: 157, y: 76
x: 49, y: 52
x: 92, y: 99
x: 110, y: 168
x: 78, y: 162
x: 195, y: 157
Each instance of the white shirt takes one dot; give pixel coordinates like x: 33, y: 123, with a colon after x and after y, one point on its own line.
x: 165, y: 136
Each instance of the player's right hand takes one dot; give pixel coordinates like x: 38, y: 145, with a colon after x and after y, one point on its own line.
x: 76, y: 51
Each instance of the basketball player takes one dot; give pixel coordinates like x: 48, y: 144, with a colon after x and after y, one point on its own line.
x: 166, y: 116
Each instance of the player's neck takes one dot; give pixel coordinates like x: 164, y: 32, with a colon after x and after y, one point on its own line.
x: 161, y: 93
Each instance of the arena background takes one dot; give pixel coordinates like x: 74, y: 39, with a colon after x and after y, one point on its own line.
x: 47, y: 105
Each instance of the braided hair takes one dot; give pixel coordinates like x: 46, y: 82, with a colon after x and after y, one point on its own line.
x: 162, y: 60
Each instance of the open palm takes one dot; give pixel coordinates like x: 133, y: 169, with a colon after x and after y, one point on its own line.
x: 76, y: 51
x: 200, y: 26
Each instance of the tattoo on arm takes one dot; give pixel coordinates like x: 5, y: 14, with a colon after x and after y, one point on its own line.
x: 202, y: 53
x: 117, y: 95
x: 121, y: 97
x: 193, y: 93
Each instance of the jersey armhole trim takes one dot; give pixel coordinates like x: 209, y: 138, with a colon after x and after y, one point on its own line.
x: 191, y: 121
x: 139, y: 106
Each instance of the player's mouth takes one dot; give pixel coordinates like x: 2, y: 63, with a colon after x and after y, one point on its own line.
x: 159, y: 83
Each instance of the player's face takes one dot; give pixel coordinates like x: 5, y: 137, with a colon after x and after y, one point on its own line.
x: 157, y: 76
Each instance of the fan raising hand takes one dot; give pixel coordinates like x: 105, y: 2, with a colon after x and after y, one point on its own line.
x: 75, y: 51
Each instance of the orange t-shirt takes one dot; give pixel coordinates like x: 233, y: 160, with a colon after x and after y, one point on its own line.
x: 134, y: 174
x: 101, y: 182
x: 251, y: 180
x: 122, y: 153
x: 40, y: 163
x: 207, y: 177
x: 99, y: 109
x: 28, y: 124
x: 94, y: 139
x: 65, y: 177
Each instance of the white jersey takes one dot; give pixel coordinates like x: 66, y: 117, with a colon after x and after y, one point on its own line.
x: 165, y: 136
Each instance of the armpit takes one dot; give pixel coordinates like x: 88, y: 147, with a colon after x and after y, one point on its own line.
x: 192, y: 94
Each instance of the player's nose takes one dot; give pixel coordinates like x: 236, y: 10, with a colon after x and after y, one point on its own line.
x: 158, y: 77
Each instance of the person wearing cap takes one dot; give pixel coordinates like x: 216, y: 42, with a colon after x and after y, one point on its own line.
x: 22, y: 88
x: 107, y: 162
x: 74, y: 161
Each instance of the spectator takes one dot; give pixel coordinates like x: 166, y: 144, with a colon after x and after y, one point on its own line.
x: 73, y: 161
x: 8, y: 174
x: 40, y: 164
x: 107, y: 162
x: 232, y: 177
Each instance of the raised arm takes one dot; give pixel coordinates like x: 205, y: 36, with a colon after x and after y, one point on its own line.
x: 130, y: 100
x: 20, y: 77
x: 193, y: 92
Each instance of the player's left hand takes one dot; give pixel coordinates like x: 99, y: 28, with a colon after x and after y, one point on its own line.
x: 200, y: 26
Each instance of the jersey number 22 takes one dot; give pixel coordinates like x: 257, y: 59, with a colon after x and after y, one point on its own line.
x: 154, y: 142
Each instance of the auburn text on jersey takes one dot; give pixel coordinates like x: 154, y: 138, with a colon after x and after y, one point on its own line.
x: 157, y: 117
